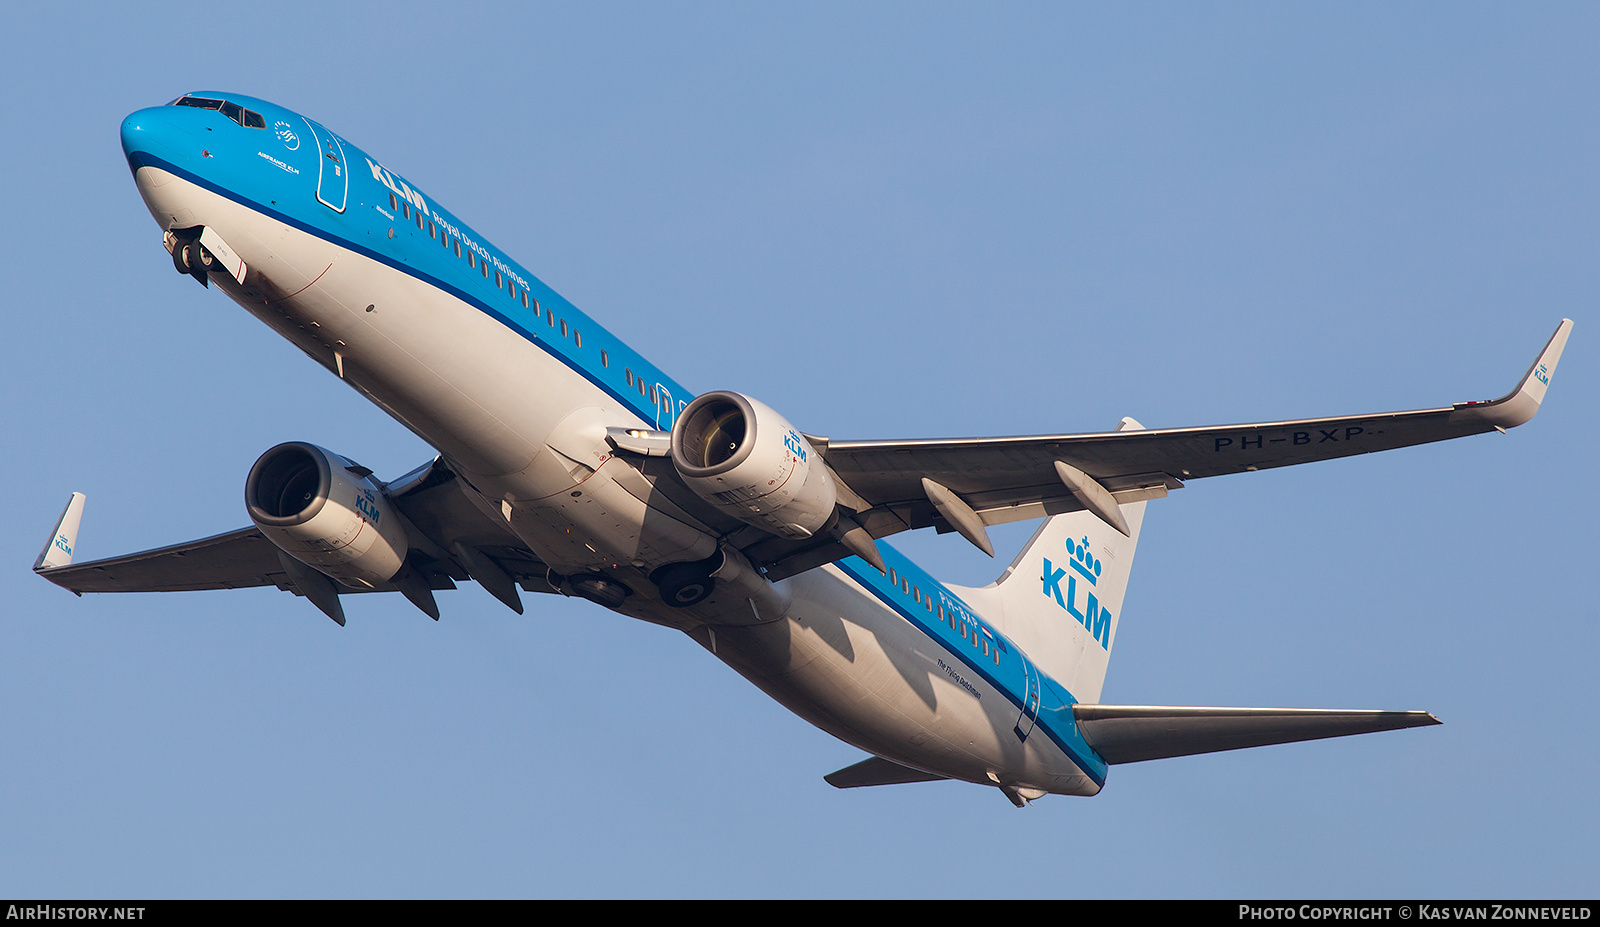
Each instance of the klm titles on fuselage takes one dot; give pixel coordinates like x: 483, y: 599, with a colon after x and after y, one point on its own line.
x: 399, y: 187
x: 1092, y: 616
x: 403, y: 190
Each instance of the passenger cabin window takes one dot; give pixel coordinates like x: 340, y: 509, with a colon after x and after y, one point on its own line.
x: 604, y: 360
x: 577, y: 337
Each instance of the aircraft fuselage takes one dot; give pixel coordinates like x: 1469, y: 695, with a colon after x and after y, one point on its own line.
x: 515, y: 387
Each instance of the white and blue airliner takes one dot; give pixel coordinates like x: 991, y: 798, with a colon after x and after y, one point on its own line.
x: 569, y: 464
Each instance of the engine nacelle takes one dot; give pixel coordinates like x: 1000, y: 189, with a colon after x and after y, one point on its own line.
x: 327, y: 513
x: 750, y: 463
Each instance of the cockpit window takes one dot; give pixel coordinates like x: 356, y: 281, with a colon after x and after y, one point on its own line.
x: 198, y: 102
x: 244, y: 117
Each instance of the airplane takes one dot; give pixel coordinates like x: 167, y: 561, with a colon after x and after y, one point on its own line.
x: 569, y: 464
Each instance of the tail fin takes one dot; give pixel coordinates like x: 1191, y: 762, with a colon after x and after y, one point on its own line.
x: 1060, y: 600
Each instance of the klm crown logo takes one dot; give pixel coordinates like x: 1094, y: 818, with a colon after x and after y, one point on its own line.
x: 1082, y: 562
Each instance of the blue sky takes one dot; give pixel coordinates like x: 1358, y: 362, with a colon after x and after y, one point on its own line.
x: 903, y: 220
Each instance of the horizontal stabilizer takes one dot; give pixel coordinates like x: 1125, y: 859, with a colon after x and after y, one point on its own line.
x: 1134, y: 733
x: 875, y: 770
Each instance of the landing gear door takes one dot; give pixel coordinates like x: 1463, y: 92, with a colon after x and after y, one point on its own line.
x: 333, y: 174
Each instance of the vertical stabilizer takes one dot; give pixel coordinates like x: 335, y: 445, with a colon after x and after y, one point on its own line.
x: 1061, y: 599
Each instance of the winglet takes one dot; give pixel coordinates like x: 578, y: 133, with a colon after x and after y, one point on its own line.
x: 57, y: 551
x: 1519, y: 405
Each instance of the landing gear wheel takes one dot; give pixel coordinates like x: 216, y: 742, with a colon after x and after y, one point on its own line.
x: 180, y: 257
x: 190, y: 259
x: 684, y: 584
x: 197, y: 263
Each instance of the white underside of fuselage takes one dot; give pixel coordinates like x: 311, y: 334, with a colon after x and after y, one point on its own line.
x: 527, y: 433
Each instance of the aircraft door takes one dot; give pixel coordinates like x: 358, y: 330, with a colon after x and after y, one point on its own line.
x: 1030, y: 699
x: 333, y: 174
x: 666, y: 411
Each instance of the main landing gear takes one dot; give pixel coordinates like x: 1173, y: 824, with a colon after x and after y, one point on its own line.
x: 596, y: 587
x: 685, y: 584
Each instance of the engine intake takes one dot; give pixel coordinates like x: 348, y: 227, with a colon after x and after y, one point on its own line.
x: 327, y: 513
x: 749, y: 462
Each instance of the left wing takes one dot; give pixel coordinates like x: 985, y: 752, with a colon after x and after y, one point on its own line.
x: 991, y: 481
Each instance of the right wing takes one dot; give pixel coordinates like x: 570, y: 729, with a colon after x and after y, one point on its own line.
x: 430, y: 497
x: 236, y: 560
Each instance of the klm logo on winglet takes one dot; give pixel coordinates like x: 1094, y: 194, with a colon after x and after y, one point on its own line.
x: 1543, y: 375
x: 62, y: 545
x: 1094, y: 618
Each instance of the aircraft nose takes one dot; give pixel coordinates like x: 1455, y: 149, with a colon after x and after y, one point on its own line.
x: 151, y: 132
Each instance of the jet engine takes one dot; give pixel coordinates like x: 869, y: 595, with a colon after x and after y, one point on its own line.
x: 327, y: 513
x: 746, y: 460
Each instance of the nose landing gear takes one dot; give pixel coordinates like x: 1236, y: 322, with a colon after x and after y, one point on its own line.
x: 189, y: 257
